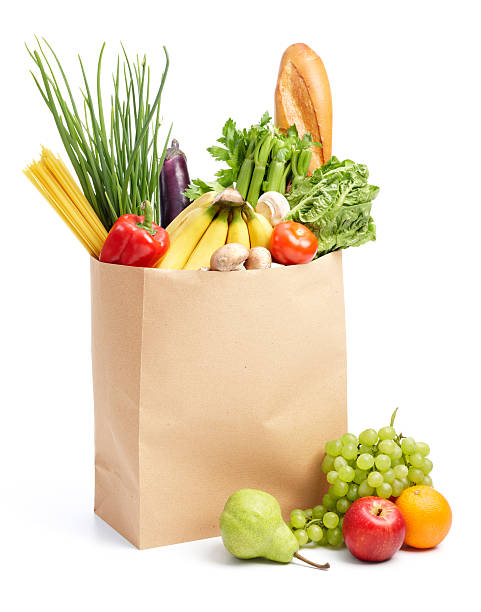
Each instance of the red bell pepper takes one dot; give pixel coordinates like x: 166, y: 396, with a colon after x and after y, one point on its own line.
x: 135, y: 240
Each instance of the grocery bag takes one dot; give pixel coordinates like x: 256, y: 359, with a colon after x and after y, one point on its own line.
x: 208, y: 382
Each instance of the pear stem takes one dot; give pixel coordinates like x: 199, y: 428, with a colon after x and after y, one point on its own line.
x: 325, y: 566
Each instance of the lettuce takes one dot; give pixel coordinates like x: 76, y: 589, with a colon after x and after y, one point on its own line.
x: 335, y: 204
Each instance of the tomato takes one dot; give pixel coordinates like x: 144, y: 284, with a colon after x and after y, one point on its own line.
x: 293, y: 243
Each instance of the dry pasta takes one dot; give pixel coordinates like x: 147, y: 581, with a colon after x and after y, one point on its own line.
x: 52, y: 178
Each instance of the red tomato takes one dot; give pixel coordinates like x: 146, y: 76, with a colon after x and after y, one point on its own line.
x: 293, y: 243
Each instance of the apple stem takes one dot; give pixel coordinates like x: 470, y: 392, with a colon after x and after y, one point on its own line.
x: 325, y: 566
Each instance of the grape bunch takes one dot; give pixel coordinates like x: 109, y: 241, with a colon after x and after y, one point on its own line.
x: 380, y: 463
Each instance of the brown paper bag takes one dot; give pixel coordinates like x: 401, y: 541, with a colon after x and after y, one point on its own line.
x: 207, y: 382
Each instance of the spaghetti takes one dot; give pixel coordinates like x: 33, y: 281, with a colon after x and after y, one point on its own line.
x: 52, y: 178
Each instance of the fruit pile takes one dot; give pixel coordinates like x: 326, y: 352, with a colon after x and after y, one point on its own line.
x: 381, y: 463
x: 209, y: 223
x: 363, y: 473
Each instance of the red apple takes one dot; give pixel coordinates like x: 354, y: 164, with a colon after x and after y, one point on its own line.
x: 373, y: 529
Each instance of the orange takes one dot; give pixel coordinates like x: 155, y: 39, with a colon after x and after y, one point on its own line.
x: 427, y: 514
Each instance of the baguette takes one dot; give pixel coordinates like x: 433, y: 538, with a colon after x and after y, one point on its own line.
x: 303, y: 99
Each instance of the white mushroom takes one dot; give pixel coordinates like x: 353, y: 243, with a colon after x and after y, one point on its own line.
x: 229, y: 257
x: 259, y: 258
x: 273, y: 206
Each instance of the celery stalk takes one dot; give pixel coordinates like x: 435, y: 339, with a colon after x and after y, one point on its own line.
x: 261, y: 157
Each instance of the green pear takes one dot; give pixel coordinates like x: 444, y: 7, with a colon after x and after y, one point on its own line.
x: 252, y: 526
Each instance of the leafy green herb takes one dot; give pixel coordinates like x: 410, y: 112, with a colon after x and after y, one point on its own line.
x: 335, y: 203
x: 118, y: 166
x: 198, y: 187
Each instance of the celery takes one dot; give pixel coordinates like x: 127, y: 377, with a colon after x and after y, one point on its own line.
x: 258, y: 160
x: 261, y: 156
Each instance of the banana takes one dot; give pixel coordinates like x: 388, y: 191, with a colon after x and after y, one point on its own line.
x: 213, y: 238
x: 260, y: 230
x: 204, y: 201
x: 176, y: 231
x: 187, y: 238
x: 238, y: 231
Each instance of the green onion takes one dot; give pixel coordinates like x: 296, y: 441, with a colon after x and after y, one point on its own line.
x: 118, y: 166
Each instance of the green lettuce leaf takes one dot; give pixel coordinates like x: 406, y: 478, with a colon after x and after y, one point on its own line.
x: 335, y: 204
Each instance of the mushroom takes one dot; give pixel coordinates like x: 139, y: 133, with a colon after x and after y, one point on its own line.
x: 229, y: 257
x: 273, y: 206
x: 259, y: 258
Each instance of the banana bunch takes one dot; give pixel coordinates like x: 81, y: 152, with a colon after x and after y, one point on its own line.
x: 207, y: 224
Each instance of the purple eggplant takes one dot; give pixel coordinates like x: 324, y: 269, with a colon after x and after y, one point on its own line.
x: 174, y: 180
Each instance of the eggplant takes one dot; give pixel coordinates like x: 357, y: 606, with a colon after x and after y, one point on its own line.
x: 174, y: 180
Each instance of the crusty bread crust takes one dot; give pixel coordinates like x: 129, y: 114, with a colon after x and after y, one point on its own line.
x: 303, y: 98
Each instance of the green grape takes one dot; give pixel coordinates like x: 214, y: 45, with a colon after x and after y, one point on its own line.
x: 318, y: 512
x: 383, y: 462
x: 384, y: 490
x: 364, y: 449
x: 329, y: 502
x: 330, y: 520
x: 301, y: 536
x: 396, y: 453
x: 423, y: 448
x: 408, y: 446
x: 349, y: 437
x: 375, y: 479
x: 415, y: 475
x: 397, y: 487
x: 388, y: 476
x: 427, y: 465
x: 342, y: 505
x: 365, y: 490
x: 332, y: 476
x: 327, y: 464
x: 346, y: 473
x: 339, y: 462
x: 387, y: 447
x: 315, y: 532
x: 334, y: 536
x: 405, y: 482
x: 427, y: 480
x: 400, y: 471
x: 289, y: 524
x: 308, y: 513
x: 334, y: 448
x: 333, y: 494
x: 341, y: 523
x: 368, y: 437
x: 298, y: 519
x: 359, y: 476
x: 416, y: 460
x: 353, y: 492
x: 399, y: 461
x: 365, y: 461
x: 349, y: 451
x: 387, y: 433
x: 340, y: 488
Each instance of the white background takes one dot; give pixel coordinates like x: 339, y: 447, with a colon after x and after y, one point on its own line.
x: 405, y: 83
